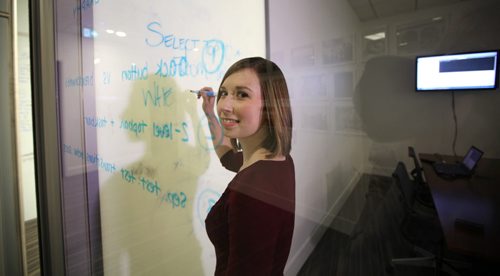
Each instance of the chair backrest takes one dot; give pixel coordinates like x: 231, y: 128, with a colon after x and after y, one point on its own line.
x: 405, y: 184
x: 417, y: 171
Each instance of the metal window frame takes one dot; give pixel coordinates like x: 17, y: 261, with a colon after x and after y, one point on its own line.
x: 11, y: 228
x: 47, y: 155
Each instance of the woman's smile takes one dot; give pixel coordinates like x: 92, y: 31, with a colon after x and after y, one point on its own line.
x: 229, y: 123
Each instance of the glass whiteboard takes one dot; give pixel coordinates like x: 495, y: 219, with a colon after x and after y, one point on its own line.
x: 126, y: 117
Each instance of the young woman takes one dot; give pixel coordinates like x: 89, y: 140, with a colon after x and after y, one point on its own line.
x: 251, y: 225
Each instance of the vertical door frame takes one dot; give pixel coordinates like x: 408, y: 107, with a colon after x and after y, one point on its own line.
x: 11, y: 245
x: 45, y: 128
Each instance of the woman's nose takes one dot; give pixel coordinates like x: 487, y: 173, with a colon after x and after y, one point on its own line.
x: 226, y: 104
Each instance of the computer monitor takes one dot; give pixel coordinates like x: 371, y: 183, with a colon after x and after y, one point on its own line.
x: 460, y: 71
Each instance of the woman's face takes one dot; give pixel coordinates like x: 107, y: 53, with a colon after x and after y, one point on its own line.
x: 240, y: 105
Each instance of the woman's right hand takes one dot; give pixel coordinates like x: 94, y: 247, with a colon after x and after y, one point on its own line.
x: 208, y: 101
x: 221, y: 144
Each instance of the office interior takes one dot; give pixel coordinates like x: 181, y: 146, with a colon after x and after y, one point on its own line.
x: 350, y: 69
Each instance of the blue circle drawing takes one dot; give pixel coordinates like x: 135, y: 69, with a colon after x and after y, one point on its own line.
x: 205, y: 200
x: 206, y: 141
x: 212, y: 57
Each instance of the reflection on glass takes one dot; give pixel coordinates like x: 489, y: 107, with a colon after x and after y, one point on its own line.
x: 374, y: 43
x: 25, y: 139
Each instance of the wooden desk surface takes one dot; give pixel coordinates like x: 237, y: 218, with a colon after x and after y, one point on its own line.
x: 475, y: 199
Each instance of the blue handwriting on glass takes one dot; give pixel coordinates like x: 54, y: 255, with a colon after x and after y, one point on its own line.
x: 80, y: 81
x: 167, y: 131
x: 135, y: 127
x: 158, y: 96
x: 175, y: 199
x: 92, y: 158
x: 95, y: 121
x: 209, y: 53
x: 135, y: 73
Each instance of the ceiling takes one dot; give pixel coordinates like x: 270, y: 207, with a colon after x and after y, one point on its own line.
x: 375, y: 9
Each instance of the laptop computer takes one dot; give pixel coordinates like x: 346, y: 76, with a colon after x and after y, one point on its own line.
x: 465, y: 168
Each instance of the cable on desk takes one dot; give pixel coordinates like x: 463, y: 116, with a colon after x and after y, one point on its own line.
x: 455, y: 122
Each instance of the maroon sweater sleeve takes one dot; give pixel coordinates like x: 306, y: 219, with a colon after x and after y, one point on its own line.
x: 232, y: 160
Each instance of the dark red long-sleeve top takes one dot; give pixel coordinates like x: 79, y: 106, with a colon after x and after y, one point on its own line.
x: 251, y: 225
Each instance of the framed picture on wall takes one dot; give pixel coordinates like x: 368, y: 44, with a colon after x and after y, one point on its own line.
x: 338, y: 50
x: 343, y: 85
x: 420, y: 37
x: 347, y: 120
x: 374, y: 42
x: 314, y: 117
x: 315, y: 88
x: 303, y: 56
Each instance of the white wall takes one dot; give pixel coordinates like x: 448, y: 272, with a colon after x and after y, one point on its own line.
x: 314, y: 42
x: 340, y: 133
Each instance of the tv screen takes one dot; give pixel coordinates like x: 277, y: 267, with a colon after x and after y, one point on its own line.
x: 461, y: 71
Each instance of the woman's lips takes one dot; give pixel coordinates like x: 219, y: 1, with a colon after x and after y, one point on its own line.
x: 229, y: 122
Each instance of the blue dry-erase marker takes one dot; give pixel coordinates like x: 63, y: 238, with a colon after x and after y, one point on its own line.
x: 209, y: 93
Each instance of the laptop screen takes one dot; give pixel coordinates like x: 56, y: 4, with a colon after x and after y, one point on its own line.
x: 472, y: 157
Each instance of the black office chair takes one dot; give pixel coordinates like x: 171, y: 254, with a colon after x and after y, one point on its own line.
x: 421, y: 229
x: 423, y: 195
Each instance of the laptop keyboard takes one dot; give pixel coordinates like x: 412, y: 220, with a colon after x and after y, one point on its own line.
x: 449, y: 169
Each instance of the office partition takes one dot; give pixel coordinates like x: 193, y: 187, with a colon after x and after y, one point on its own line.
x: 136, y: 167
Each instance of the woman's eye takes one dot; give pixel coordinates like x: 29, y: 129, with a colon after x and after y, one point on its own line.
x: 223, y: 93
x: 242, y: 94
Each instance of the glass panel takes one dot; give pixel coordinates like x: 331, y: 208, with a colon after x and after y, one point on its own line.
x: 137, y: 148
x: 73, y: 56
x: 140, y: 174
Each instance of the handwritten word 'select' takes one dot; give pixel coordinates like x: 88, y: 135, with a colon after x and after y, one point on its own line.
x: 169, y: 40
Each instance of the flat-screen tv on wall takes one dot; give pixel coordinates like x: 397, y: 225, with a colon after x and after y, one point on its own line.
x: 458, y: 71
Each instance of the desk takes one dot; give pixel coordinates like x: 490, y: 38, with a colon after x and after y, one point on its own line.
x: 474, y: 199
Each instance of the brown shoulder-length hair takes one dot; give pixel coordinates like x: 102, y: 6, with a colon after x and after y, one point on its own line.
x: 276, y: 113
